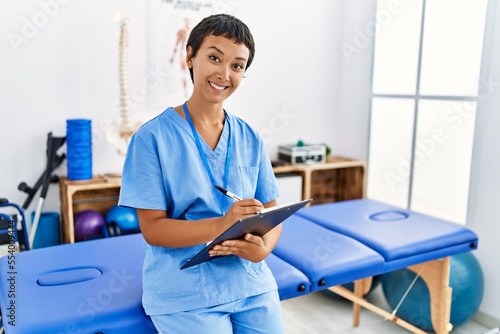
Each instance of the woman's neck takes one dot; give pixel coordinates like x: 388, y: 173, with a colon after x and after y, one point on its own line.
x: 208, y: 120
x: 205, y: 114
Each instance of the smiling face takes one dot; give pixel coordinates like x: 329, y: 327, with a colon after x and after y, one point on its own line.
x: 218, y: 67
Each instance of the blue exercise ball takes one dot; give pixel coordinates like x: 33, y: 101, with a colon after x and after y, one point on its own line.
x: 88, y: 225
x: 466, y: 280
x: 125, y: 218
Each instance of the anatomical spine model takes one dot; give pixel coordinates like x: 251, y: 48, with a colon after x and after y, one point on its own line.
x: 119, y: 134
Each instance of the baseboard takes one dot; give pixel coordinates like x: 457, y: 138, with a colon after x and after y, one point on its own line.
x: 486, y: 320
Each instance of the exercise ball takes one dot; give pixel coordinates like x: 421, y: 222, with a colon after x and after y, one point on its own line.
x: 466, y: 280
x: 88, y: 225
x: 125, y: 218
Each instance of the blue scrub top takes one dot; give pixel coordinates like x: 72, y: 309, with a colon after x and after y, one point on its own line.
x: 163, y: 170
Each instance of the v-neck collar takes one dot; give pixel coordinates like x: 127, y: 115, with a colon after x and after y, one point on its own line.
x: 220, y: 148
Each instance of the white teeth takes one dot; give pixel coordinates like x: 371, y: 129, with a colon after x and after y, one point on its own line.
x: 216, y: 86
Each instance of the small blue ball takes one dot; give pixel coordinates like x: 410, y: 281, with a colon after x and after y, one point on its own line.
x: 125, y: 218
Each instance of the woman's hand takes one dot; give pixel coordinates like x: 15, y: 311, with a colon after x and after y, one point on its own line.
x: 240, y: 209
x: 251, y: 247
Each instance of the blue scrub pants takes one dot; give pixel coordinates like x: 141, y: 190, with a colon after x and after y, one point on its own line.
x: 252, y: 315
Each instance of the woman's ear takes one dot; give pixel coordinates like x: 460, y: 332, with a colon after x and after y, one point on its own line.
x: 189, y: 56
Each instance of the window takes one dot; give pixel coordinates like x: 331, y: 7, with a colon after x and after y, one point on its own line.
x: 426, y: 64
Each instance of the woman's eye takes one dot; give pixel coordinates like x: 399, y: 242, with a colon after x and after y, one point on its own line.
x: 238, y: 66
x: 214, y: 58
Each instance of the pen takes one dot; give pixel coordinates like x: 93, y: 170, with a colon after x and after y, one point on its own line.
x: 228, y: 194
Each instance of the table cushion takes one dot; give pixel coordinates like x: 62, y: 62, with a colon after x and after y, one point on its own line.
x: 326, y: 257
x: 291, y: 281
x: 87, y: 287
x: 402, y: 237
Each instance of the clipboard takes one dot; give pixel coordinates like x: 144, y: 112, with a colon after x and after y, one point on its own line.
x: 258, y: 224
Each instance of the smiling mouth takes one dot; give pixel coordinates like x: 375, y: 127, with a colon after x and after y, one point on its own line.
x: 217, y: 87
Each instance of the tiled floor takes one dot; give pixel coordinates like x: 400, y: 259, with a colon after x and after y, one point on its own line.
x: 319, y: 313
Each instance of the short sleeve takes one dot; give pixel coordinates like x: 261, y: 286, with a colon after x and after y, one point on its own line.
x: 142, y: 181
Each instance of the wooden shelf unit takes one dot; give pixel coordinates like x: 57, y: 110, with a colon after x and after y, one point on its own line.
x: 338, y: 179
x: 99, y: 193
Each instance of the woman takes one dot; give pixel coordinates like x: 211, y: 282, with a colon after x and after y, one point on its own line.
x: 173, y: 164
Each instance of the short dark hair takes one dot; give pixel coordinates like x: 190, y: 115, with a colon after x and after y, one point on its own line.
x: 221, y: 25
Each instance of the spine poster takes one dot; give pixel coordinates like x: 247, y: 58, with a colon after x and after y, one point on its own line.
x: 168, y: 27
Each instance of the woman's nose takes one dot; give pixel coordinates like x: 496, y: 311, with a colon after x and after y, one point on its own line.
x: 223, y: 73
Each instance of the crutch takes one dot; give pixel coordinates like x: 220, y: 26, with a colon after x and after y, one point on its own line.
x: 53, y: 144
x: 23, y: 186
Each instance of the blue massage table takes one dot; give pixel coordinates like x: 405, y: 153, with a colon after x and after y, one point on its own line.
x: 96, y: 286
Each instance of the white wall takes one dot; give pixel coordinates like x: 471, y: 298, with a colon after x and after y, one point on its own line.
x: 352, y: 117
x: 485, y: 180
x: 59, y: 60
x: 291, y: 89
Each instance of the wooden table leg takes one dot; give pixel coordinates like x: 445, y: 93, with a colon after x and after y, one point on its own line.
x: 361, y: 288
x: 436, y: 276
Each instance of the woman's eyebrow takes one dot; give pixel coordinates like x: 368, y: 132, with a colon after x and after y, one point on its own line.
x: 216, y: 49
x: 222, y: 53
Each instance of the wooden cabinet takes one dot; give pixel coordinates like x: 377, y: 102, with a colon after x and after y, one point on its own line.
x: 99, y: 193
x: 338, y: 179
